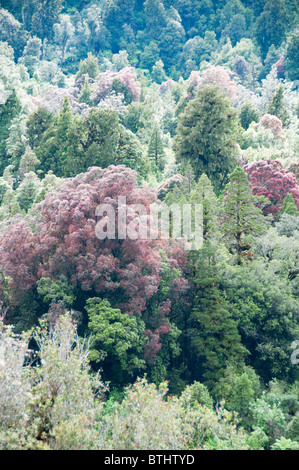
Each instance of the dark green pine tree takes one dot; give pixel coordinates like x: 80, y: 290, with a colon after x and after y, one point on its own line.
x: 207, y: 136
x: 241, y: 217
x: 213, y: 333
x: 8, y: 111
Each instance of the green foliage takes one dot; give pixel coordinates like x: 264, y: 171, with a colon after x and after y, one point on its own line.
x: 289, y: 205
x: 156, y: 148
x: 53, y: 142
x: 117, y: 335
x: 272, y: 24
x: 32, y: 54
x: 241, y: 217
x: 89, y: 66
x: 54, y: 404
x: 8, y: 112
x: 206, y: 136
x: 239, y: 387
x: 37, y: 123
x: 147, y: 420
x: 292, y: 57
x: 277, y: 105
x: 248, y: 114
x: 266, y: 309
x: 184, y: 93
x: 54, y: 291
x: 285, y: 444
x: 213, y: 332
x: 196, y: 393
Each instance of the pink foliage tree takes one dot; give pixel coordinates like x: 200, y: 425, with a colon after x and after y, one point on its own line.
x: 59, y: 239
x: 104, y: 84
x: 269, y: 121
x: 214, y: 75
x: 270, y: 179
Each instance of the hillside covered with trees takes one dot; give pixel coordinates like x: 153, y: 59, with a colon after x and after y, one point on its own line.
x: 127, y: 343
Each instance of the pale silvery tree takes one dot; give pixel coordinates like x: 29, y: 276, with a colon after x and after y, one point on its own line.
x: 14, y: 383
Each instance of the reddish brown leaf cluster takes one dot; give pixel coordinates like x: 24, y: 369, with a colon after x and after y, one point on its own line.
x: 270, y: 179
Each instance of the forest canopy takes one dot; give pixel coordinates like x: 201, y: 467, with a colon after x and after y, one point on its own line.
x: 137, y: 342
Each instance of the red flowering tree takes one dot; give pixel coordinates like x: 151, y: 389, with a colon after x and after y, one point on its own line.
x: 124, y: 82
x: 268, y: 121
x: 280, y: 67
x: 213, y: 75
x: 268, y: 178
x: 58, y: 244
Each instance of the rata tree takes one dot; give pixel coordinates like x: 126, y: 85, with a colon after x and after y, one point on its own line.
x: 62, y: 238
x: 124, y: 82
x: 270, y: 179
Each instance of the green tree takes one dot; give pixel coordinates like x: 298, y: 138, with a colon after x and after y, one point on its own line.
x: 28, y: 190
x: 265, y: 305
x: 155, y: 16
x: 28, y: 162
x: 52, y: 150
x: 85, y: 95
x: 241, y: 217
x: 149, y: 56
x: 31, y: 54
x: 292, y: 57
x: 203, y: 193
x: 156, y: 150
x: 239, y: 387
x: 289, y: 205
x: 207, y: 135
x: 12, y: 32
x: 171, y: 43
x: 117, y: 338
x: 158, y: 72
x: 214, y: 338
x: 37, y: 123
x: 117, y: 14
x: 92, y: 141
x: 64, y: 32
x: 8, y: 112
x: 248, y: 114
x: 277, y: 106
x: 272, y: 24
x: 46, y: 13
x: 89, y: 66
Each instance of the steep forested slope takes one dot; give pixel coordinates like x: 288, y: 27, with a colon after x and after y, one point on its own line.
x: 156, y: 103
